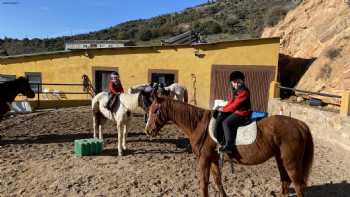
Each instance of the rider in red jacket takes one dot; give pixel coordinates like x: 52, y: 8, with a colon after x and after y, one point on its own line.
x: 235, y: 112
x: 114, y: 88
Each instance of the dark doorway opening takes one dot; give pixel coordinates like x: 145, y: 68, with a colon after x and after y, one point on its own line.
x: 163, y: 78
x: 101, y: 80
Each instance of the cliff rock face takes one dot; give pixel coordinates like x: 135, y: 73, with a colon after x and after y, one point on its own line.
x: 318, y: 29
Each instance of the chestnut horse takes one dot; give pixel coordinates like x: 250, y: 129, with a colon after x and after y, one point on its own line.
x: 287, y: 139
x: 10, y: 89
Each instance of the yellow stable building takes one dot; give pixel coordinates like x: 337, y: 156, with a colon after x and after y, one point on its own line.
x: 202, y: 68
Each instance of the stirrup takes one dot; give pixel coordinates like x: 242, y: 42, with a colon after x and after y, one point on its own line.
x: 221, y: 157
x: 221, y: 160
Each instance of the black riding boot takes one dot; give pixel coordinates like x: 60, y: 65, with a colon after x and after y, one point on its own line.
x: 230, y: 125
x: 109, y: 102
x: 218, y: 130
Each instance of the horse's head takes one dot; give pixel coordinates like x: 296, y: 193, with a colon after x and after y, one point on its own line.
x: 24, y: 87
x: 160, y: 90
x: 156, y: 116
x: 163, y: 92
x: 145, y: 99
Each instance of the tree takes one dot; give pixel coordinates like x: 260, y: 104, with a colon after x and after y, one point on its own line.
x: 3, y: 52
x: 209, y: 27
x: 145, y: 35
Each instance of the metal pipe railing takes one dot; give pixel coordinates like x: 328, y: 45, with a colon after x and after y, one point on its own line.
x: 62, y: 84
x: 309, y: 92
x: 39, y: 89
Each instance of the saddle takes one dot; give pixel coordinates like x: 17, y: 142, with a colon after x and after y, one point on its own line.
x: 246, y: 133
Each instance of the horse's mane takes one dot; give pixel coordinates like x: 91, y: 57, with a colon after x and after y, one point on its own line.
x: 190, y: 115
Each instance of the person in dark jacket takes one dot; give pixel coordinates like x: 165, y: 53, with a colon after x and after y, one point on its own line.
x: 115, y: 88
x: 235, y: 113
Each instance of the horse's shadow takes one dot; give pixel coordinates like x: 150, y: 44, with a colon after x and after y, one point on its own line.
x: 182, y: 146
x: 54, y: 138
x: 341, y: 189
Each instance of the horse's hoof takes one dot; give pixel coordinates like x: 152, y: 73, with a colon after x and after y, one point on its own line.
x: 278, y: 194
x: 120, y: 154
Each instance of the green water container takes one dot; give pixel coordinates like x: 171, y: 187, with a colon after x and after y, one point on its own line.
x: 93, y: 147
x: 86, y: 147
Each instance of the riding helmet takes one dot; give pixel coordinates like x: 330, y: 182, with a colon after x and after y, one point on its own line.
x: 236, y: 75
x: 114, y: 73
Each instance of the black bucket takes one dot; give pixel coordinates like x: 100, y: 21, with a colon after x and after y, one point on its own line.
x: 315, y: 102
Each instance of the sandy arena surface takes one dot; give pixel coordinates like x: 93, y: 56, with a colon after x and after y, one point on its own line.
x: 36, y: 159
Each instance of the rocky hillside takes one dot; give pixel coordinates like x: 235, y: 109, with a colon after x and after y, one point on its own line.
x: 221, y: 20
x: 318, y: 29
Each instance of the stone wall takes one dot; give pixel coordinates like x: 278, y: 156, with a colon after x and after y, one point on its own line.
x: 329, y: 126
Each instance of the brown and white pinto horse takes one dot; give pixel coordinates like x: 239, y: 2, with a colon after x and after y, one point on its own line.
x: 287, y: 139
x: 10, y: 89
x: 120, y: 114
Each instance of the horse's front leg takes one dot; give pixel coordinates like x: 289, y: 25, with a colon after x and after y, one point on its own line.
x: 120, y: 137
x: 95, y: 125
x: 100, y: 136
x: 204, y: 173
x: 124, y: 136
x: 216, y: 171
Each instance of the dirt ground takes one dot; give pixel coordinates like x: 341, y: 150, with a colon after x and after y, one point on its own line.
x: 36, y: 159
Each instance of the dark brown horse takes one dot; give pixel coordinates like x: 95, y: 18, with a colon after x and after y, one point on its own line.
x: 10, y: 89
x: 287, y: 139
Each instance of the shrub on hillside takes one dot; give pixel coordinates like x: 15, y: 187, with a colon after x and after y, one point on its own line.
x: 325, y: 72
x: 333, y: 53
x: 274, y: 15
x: 209, y: 27
x: 145, y: 35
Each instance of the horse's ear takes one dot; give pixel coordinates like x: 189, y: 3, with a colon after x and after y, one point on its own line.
x: 23, y: 78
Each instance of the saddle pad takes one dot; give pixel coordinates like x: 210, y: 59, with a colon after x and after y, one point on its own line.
x: 245, y: 134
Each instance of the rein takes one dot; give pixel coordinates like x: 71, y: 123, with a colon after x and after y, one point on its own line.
x: 201, y: 142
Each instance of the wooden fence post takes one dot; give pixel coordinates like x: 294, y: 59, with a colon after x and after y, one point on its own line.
x: 345, y: 104
x: 274, y: 91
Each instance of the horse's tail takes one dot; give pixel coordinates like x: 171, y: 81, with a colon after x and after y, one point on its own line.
x: 95, y: 104
x: 308, y: 154
x: 185, y: 95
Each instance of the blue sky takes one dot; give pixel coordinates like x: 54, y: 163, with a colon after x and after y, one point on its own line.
x: 52, y: 18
